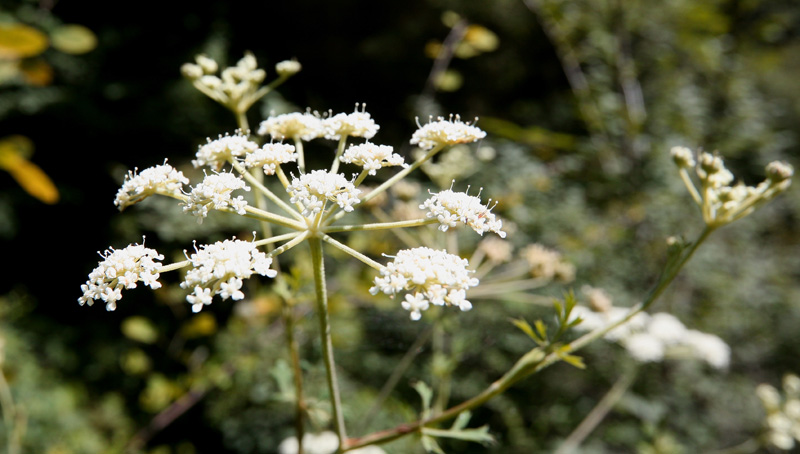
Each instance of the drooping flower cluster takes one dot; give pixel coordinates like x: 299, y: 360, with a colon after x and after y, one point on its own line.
x: 270, y: 156
x: 219, y: 268
x: 445, y: 132
x: 216, y: 153
x: 721, y: 202
x: 121, y: 269
x: 355, y: 124
x: 450, y: 207
x: 162, y: 179
x: 312, y: 189
x: 215, y: 193
x: 783, y: 412
x: 428, y: 276
x: 372, y: 157
x: 652, y: 338
x: 304, y: 126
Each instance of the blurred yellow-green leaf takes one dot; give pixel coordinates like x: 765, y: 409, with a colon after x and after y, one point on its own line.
x: 14, y: 151
x: 36, y: 72
x: 73, y: 39
x: 202, y: 324
x: 139, y: 329
x: 449, y: 80
x: 19, y: 41
x: 135, y: 362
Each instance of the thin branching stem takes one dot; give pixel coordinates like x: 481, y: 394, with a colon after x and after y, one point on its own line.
x: 333, y: 242
x: 380, y: 225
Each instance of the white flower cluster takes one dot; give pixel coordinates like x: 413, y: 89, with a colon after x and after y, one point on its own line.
x: 546, y: 263
x: 722, y: 202
x: 450, y: 207
x: 218, y: 269
x: 215, y: 193
x: 162, y: 179
x: 783, y: 412
x: 356, y: 124
x: 312, y: 189
x: 430, y: 277
x: 121, y: 269
x: 652, y: 338
x: 217, y: 152
x: 304, y: 126
x: 445, y: 132
x: 322, y: 443
x: 372, y: 157
x: 270, y: 156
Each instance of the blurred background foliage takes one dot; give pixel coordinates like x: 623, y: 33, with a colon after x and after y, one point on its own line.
x: 581, y: 101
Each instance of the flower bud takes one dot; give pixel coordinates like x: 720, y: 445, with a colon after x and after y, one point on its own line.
x: 208, y: 65
x: 288, y: 68
x: 191, y: 71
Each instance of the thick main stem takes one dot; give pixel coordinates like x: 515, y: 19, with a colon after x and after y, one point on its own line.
x: 318, y: 263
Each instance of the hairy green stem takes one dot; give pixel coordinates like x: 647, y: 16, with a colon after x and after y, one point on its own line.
x: 318, y: 263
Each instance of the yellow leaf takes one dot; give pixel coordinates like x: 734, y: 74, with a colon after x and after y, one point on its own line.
x: 36, y: 72
x: 73, y: 39
x: 19, y: 41
x: 13, y: 153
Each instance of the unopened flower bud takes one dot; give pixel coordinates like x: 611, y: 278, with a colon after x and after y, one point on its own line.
x: 212, y: 82
x: 682, y: 156
x: 288, y: 68
x: 208, y: 64
x: 191, y: 71
x: 778, y: 171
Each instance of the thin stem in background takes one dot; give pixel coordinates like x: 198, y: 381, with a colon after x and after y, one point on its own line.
x: 598, y: 413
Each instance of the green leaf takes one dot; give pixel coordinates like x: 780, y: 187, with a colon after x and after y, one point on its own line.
x: 139, y: 329
x: 462, y: 420
x: 430, y: 445
x: 541, y: 329
x: 525, y: 327
x: 477, y: 435
x: 426, y: 393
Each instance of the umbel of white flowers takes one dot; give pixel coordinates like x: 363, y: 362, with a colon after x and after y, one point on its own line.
x: 314, y: 200
x: 719, y: 200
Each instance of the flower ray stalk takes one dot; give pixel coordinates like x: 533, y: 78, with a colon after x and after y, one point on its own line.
x: 380, y: 225
x: 271, y: 195
x: 352, y: 252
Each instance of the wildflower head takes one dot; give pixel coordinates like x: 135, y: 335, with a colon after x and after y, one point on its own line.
x: 355, y: 124
x: 219, y: 268
x: 443, y: 132
x: 546, y: 263
x: 303, y: 126
x: 782, y: 423
x: 270, y: 156
x: 450, y: 207
x: 313, y: 189
x: 428, y: 276
x: 372, y: 157
x: 683, y: 157
x: 215, y: 193
x: 215, y: 153
x: 121, y: 269
x: 163, y: 179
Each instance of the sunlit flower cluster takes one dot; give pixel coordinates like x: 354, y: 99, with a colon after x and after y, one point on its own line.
x: 304, y: 126
x: 312, y: 189
x: 372, y: 157
x: 215, y: 153
x: 355, y: 124
x: 214, y: 193
x: 720, y: 201
x: 450, y: 207
x: 162, y: 179
x: 428, y: 276
x: 445, y: 132
x: 121, y: 269
x: 652, y: 338
x: 783, y: 412
x: 219, y: 268
x: 270, y: 156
